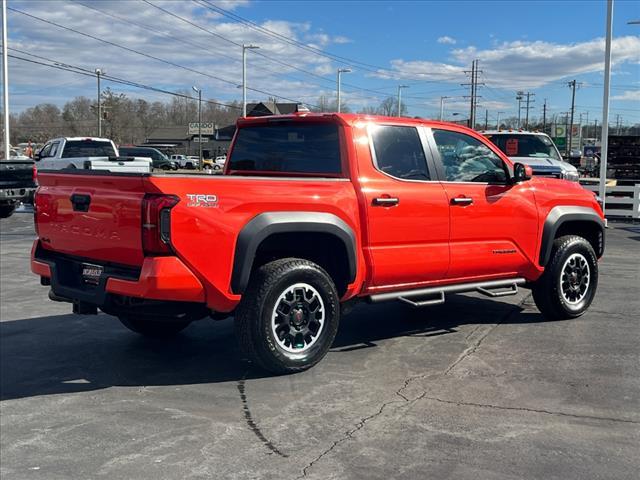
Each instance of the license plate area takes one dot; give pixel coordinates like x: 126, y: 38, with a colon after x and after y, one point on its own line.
x: 91, y: 273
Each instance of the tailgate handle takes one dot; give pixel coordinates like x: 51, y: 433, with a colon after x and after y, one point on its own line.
x: 80, y: 202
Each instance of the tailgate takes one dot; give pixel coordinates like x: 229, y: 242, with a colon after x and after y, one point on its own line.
x: 92, y: 216
x: 16, y: 174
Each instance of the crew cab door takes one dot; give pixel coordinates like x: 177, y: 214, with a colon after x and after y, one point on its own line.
x: 407, y: 212
x: 494, y: 222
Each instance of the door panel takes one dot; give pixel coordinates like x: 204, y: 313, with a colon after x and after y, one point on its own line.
x: 407, y: 211
x: 493, y: 234
x: 494, y: 223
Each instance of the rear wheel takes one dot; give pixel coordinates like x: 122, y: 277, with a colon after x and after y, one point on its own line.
x: 7, y: 210
x: 289, y: 316
x: 568, y: 285
x: 154, y: 326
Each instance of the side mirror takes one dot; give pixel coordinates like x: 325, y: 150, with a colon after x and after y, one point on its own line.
x: 522, y: 172
x: 37, y: 157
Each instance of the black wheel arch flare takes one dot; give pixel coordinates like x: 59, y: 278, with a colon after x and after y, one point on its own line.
x: 266, y: 224
x: 562, y: 214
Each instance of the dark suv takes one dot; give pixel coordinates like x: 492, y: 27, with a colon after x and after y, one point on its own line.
x: 158, y: 159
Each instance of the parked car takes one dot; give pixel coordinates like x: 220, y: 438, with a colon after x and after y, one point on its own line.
x: 185, y: 162
x: 89, y: 154
x: 17, y: 184
x: 303, y: 228
x: 159, y: 160
x: 535, y: 149
x: 216, y: 164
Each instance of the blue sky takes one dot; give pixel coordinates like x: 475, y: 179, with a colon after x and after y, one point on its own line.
x: 531, y: 46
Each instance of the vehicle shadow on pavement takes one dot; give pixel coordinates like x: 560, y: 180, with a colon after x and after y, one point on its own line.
x: 71, y: 353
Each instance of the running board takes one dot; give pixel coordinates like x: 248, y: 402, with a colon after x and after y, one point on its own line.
x: 492, y: 288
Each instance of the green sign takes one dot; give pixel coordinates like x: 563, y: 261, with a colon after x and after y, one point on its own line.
x: 561, y: 142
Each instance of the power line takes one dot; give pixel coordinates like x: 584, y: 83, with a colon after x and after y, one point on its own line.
x: 309, y: 48
x: 110, y: 78
x: 168, y: 62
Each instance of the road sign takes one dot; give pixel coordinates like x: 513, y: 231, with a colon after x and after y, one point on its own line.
x: 207, y: 128
x: 197, y: 139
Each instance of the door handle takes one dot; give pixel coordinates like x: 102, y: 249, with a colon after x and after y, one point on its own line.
x: 461, y: 201
x: 385, y: 201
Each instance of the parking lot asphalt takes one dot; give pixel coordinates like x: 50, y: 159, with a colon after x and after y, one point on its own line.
x: 472, y: 389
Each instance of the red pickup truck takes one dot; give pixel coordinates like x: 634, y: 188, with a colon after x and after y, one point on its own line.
x: 313, y: 212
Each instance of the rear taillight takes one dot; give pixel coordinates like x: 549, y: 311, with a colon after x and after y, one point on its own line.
x: 156, y: 223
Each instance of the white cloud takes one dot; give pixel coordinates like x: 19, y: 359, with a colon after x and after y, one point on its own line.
x: 521, y: 64
x: 631, y: 95
x: 446, y: 40
x: 191, y: 47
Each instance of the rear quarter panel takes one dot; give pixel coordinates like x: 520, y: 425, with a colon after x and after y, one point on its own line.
x: 204, y: 237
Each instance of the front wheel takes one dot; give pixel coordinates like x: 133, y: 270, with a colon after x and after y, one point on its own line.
x: 288, y: 316
x: 154, y: 327
x: 568, y: 285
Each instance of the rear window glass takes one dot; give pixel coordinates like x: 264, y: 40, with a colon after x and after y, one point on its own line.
x: 87, y: 148
x: 288, y: 148
x: 532, y: 146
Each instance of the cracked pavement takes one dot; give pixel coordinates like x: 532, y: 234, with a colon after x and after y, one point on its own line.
x: 474, y: 388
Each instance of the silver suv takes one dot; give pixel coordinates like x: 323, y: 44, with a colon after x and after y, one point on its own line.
x: 535, y: 149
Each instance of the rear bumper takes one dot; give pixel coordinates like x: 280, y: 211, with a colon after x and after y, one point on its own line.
x: 16, y: 194
x: 159, y: 278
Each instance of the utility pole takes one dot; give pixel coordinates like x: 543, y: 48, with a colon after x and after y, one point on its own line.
x: 474, y: 92
x: 526, y: 122
x: 595, y: 129
x: 486, y: 119
x: 5, y: 80
x: 442, y: 99
x: 572, y: 84
x: 544, y: 116
x: 199, y: 90
x: 244, y: 76
x: 618, y: 124
x: 340, y: 72
x: 519, y: 97
x: 498, y: 121
x: 99, y: 72
x: 400, y: 87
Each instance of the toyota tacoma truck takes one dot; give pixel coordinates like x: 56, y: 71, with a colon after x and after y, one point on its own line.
x: 312, y: 213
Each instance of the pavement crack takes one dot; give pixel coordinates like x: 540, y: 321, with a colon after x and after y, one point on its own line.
x: 347, y: 435
x: 475, y: 345
x: 248, y: 416
x: 525, y: 409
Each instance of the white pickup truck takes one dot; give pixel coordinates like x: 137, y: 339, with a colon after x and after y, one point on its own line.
x: 88, y: 153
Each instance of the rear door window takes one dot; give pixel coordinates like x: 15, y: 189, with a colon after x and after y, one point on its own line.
x: 399, y: 152
x: 88, y: 148
x: 288, y: 147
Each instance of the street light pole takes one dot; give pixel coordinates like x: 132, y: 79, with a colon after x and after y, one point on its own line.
x: 400, y: 87
x: 498, y: 121
x: 244, y: 76
x: 442, y: 99
x: 5, y: 80
x: 340, y: 72
x: 99, y: 72
x: 605, y: 106
x: 199, y: 90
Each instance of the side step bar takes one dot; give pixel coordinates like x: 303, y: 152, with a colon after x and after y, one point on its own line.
x: 436, y: 295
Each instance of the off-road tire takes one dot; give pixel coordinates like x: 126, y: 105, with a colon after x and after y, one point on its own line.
x: 253, y: 319
x: 153, y: 327
x: 547, y: 290
x: 7, y: 210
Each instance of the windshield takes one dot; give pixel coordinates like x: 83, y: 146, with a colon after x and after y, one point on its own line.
x: 532, y: 146
x: 88, y: 148
x: 306, y: 148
